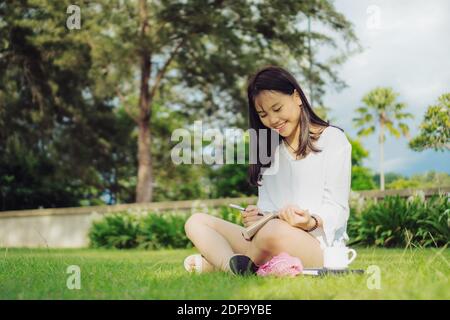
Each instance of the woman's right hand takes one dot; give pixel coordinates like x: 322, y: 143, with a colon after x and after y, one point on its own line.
x: 251, y: 215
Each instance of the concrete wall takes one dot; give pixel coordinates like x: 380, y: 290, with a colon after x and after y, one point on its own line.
x: 69, y: 227
x: 54, y: 231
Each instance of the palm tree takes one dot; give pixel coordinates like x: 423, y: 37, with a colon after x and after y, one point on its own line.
x: 381, y: 108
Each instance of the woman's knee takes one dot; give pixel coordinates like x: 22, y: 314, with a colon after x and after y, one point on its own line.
x: 269, y: 237
x: 195, y: 220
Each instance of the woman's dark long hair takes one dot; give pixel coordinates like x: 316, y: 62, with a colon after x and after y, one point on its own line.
x: 277, y: 79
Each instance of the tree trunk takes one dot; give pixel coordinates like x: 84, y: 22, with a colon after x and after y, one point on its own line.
x: 381, y: 140
x: 144, y: 188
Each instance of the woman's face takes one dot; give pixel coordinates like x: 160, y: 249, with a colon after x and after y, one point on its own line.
x: 279, y: 111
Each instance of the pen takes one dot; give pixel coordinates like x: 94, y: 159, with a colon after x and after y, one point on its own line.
x: 242, y: 209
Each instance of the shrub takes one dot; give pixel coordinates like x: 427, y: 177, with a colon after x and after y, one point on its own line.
x: 391, y: 222
x: 149, y: 231
x: 395, y: 222
x: 117, y: 230
x: 166, y: 230
x: 231, y: 214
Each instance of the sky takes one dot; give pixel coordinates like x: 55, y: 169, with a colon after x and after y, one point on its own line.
x: 406, y: 46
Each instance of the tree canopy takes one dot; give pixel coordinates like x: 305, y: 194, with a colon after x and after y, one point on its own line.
x: 83, y: 112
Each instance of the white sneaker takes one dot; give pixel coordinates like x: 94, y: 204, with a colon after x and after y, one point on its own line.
x: 198, y: 263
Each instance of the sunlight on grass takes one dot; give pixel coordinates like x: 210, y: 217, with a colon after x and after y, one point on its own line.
x: 135, y: 274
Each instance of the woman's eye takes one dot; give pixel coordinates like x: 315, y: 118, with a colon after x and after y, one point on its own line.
x: 278, y: 109
x: 262, y: 116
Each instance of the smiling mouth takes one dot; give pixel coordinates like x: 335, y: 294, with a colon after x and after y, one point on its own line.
x: 281, y: 127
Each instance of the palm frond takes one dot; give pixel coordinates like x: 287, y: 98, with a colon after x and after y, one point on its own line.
x: 366, y: 131
x: 362, y: 110
x: 392, y: 129
x: 405, y: 129
x: 400, y: 116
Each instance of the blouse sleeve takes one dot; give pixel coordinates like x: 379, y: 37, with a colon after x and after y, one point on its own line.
x: 334, y: 210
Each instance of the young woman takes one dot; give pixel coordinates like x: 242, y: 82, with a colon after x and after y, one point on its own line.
x: 307, y: 181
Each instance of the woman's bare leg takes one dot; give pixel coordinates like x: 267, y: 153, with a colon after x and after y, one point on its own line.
x: 278, y: 236
x: 216, y: 239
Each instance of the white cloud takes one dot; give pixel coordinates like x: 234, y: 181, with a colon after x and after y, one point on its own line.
x: 410, y: 53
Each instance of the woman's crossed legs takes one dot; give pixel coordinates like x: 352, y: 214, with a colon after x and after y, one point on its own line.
x: 218, y: 240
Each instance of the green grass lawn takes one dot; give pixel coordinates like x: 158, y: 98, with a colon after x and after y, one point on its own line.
x: 108, y: 274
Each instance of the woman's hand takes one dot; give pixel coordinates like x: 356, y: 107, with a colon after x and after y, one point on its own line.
x: 296, y: 217
x: 251, y: 215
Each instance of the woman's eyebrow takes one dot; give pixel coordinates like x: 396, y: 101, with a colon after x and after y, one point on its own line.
x: 276, y: 103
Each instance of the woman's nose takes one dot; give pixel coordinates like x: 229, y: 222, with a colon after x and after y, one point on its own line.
x: 273, y: 122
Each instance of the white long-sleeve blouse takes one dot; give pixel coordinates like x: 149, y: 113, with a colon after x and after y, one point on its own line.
x: 319, y: 182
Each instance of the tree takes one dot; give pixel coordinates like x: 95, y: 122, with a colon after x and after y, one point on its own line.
x: 72, y: 101
x: 203, y: 52
x: 61, y: 143
x: 403, y: 183
x: 435, y: 127
x: 231, y: 180
x: 361, y: 176
x: 388, y: 178
x: 174, y: 182
x: 381, y: 109
x: 430, y: 179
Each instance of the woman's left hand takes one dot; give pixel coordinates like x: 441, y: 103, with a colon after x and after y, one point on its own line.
x: 296, y: 217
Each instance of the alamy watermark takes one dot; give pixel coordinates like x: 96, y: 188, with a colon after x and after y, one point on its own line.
x: 223, y: 145
x: 74, y: 280
x: 373, y: 21
x: 374, y: 280
x: 74, y: 20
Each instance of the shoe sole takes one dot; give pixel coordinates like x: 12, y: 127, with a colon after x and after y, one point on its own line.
x: 242, y: 265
